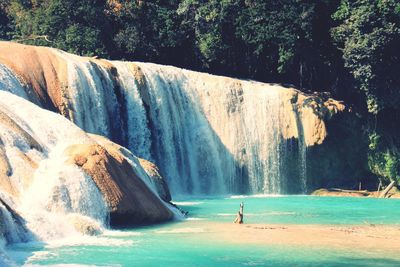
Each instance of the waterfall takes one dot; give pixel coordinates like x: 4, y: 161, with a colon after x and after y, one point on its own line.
x: 208, y: 134
x: 10, y: 230
x: 60, y: 200
x: 65, y: 198
x: 138, y: 132
x: 216, y: 135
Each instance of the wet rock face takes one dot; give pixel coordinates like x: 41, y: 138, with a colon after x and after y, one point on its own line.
x: 85, y: 225
x: 42, y: 73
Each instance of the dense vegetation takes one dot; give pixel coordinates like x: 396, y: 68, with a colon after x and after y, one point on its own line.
x: 350, y: 48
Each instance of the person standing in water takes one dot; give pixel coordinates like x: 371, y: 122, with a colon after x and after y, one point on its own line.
x: 239, y: 216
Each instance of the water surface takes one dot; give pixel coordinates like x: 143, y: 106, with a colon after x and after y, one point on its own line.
x: 180, y: 243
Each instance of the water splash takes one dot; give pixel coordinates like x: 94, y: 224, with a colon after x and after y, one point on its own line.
x: 59, y: 199
x: 63, y: 201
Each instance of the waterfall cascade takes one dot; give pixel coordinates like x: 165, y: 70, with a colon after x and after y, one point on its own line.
x: 46, y: 195
x: 57, y: 191
x: 208, y: 134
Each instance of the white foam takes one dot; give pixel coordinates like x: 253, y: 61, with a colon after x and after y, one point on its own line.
x: 10, y: 83
x: 41, y: 255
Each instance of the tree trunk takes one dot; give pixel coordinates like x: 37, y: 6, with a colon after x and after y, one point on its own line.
x: 387, y: 189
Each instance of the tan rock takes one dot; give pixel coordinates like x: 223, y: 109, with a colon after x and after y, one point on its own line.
x: 43, y: 73
x: 129, y: 198
x: 141, y: 83
x: 310, y: 112
x: 150, y: 168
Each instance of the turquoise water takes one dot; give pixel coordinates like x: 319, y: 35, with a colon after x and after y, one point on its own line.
x: 298, y: 209
x: 182, y: 243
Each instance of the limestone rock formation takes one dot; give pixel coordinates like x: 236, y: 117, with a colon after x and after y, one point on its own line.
x: 129, y: 198
x: 312, y: 111
x: 42, y: 73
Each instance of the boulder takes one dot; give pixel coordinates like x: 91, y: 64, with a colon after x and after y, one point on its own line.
x: 130, y: 200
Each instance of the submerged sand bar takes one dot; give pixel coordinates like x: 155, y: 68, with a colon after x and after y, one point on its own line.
x: 372, y: 238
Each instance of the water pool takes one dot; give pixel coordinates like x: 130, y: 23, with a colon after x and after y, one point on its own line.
x: 187, y: 243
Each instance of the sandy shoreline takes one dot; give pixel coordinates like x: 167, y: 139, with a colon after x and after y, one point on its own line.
x: 370, y: 238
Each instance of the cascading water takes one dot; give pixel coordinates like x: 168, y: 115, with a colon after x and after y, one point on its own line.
x: 218, y: 135
x: 60, y: 197
x: 136, y: 128
x: 10, y: 83
x: 64, y: 199
x: 208, y: 134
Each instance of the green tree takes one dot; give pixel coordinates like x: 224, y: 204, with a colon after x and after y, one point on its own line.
x: 5, y: 21
x: 369, y: 37
x: 76, y: 26
x: 211, y: 24
x: 150, y: 31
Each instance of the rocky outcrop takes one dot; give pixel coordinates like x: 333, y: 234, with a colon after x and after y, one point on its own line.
x: 43, y: 74
x: 85, y: 225
x: 155, y: 180
x: 130, y: 200
x: 306, y: 115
